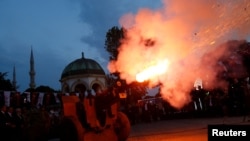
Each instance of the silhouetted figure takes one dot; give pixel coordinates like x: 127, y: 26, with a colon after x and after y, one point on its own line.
x: 103, y: 102
x: 3, y: 123
x: 11, y: 127
x: 19, y: 122
x: 198, y: 97
x: 246, y: 106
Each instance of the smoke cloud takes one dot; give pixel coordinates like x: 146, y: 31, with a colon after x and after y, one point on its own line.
x: 192, y: 35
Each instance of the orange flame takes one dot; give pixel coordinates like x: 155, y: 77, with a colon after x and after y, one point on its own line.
x: 184, y: 33
x: 153, y: 71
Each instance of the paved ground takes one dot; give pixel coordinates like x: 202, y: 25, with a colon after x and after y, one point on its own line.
x: 178, y: 129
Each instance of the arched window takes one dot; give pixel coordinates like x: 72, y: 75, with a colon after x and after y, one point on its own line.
x: 80, y: 88
x: 96, y: 87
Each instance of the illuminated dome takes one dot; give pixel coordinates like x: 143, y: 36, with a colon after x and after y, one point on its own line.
x: 82, y: 66
x: 81, y: 75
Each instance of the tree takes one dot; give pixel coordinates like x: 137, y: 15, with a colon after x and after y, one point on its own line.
x: 41, y: 88
x: 44, y: 89
x: 5, y: 84
x: 244, y: 51
x: 233, y: 65
x: 112, y: 44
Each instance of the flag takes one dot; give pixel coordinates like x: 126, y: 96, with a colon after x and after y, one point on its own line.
x: 7, y: 98
x: 40, y: 99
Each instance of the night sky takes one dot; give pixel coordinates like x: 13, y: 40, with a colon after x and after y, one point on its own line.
x: 58, y: 31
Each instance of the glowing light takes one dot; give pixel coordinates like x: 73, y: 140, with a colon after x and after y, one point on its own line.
x: 169, y: 35
x: 153, y: 71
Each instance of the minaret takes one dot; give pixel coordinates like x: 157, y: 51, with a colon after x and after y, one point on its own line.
x: 32, y: 71
x: 14, y: 78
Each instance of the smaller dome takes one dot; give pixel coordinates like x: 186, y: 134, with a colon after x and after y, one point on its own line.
x: 82, y: 66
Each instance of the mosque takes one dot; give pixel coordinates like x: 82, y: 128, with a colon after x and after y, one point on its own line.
x: 78, y: 76
x: 83, y: 74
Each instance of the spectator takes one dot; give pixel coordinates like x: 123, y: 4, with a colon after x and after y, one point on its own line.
x: 3, y: 123
x: 19, y: 122
x: 11, y: 126
x: 246, y: 107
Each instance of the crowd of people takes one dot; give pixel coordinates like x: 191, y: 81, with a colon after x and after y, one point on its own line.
x: 233, y: 100
x: 28, y: 123
x: 33, y: 123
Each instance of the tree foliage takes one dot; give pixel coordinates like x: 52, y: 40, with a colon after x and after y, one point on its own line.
x: 232, y: 65
x: 5, y: 84
x: 244, y: 51
x: 41, y: 88
x: 112, y: 44
x: 44, y: 89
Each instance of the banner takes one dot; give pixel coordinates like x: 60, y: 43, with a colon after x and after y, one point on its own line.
x: 56, y: 97
x: 40, y: 99
x: 7, y: 98
x: 27, y: 97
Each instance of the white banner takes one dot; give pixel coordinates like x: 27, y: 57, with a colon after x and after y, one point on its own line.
x: 40, y: 99
x: 56, y: 98
x: 28, y: 96
x: 7, y: 98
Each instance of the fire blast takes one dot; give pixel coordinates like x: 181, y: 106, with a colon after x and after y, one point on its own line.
x: 168, y: 45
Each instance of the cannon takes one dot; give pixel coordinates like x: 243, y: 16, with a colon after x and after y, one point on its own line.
x: 82, y: 122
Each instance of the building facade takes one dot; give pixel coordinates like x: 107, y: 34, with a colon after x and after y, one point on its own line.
x: 81, y: 75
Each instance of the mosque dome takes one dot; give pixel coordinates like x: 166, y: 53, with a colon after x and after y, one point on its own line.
x: 82, y: 66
